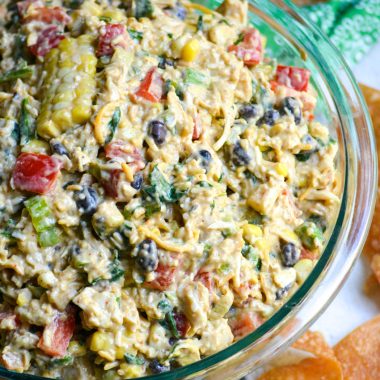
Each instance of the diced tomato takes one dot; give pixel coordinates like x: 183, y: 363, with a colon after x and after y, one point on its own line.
x: 206, y: 279
x: 244, y: 323
x: 56, y: 336
x: 47, y: 15
x: 126, y: 152
x: 48, y: 39
x: 293, y: 77
x: 151, y: 88
x: 112, y: 35
x: 306, y: 254
x: 197, y: 129
x: 182, y: 324
x: 164, y: 277
x: 111, y: 183
x: 36, y: 173
x: 250, y: 49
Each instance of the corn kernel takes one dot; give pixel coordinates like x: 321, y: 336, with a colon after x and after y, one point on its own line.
x: 100, y: 341
x: 263, y: 245
x: 24, y: 297
x: 76, y: 349
x: 281, y: 169
x: 190, y: 50
x: 303, y: 269
x: 251, y: 232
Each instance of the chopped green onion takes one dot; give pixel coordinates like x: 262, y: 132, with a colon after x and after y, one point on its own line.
x: 43, y: 221
x: 135, y: 35
x: 18, y: 73
x: 196, y: 77
x: 106, y: 19
x: 26, y: 123
x: 239, y: 39
x: 200, y: 25
x: 165, y: 306
x: 143, y: 8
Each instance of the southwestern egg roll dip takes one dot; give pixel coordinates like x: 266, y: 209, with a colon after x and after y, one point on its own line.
x: 164, y: 187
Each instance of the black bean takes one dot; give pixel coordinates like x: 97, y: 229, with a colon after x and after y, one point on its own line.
x: 281, y: 292
x: 269, y: 118
x: 137, y: 181
x: 290, y: 254
x: 87, y: 200
x: 156, y: 367
x: 157, y: 130
x: 75, y: 250
x: 239, y: 156
x: 291, y: 106
x: 59, y: 149
x: 205, y: 158
x: 248, y: 111
x: 172, y: 341
x: 147, y: 256
x: 163, y: 62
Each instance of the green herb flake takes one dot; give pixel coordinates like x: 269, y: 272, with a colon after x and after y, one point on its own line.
x: 200, y: 25
x: 239, y: 39
x: 106, y: 19
x: 135, y: 35
x: 113, y: 124
x: 196, y: 77
x: 225, y: 268
x: 132, y: 359
x: 26, y: 124
x: 22, y: 72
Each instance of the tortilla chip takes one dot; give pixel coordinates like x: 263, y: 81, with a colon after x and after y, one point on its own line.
x: 372, y: 97
x: 307, y: 369
x: 359, y: 352
x: 371, y: 286
x: 315, y: 343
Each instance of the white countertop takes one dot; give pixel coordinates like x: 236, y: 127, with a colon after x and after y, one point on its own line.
x: 352, y: 307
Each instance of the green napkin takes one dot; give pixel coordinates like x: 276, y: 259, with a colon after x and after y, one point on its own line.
x: 352, y: 25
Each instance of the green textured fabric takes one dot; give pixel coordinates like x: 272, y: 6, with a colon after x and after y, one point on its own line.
x: 352, y: 25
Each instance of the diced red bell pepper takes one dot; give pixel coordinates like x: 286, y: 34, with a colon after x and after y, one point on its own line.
x: 56, y: 336
x: 151, y: 88
x: 48, y: 15
x: 244, y: 323
x: 250, y: 49
x: 125, y: 152
x: 111, y: 183
x: 293, y: 77
x: 182, y: 323
x: 206, y: 279
x: 112, y: 35
x: 164, y: 277
x: 36, y: 173
x: 48, y: 39
x: 306, y: 254
x: 197, y: 129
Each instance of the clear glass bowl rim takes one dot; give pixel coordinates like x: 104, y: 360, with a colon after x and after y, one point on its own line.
x: 292, y: 20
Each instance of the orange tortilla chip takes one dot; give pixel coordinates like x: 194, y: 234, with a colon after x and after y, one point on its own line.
x: 359, y: 352
x: 372, y: 97
x: 308, y: 369
x: 315, y: 343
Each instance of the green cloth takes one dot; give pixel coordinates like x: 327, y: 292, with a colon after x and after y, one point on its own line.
x: 352, y: 25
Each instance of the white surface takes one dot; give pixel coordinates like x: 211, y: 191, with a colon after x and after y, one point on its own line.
x: 352, y: 307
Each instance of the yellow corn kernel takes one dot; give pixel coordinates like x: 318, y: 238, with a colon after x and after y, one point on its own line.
x: 76, y: 349
x: 251, y: 232
x: 303, y: 269
x: 127, y: 171
x: 190, y: 50
x: 114, y: 14
x: 263, y: 245
x: 289, y: 235
x: 100, y: 341
x: 281, y: 169
x: 24, y: 297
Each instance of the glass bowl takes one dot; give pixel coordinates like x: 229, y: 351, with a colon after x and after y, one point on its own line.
x: 291, y: 39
